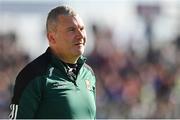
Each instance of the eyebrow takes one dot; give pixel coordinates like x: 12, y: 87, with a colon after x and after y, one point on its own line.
x: 74, y: 27
x: 71, y: 27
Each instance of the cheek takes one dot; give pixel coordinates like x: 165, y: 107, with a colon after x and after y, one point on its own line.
x: 60, y: 40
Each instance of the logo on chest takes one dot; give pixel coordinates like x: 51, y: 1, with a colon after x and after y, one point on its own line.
x: 88, y: 84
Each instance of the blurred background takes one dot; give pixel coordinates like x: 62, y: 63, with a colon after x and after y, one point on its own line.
x: 133, y: 46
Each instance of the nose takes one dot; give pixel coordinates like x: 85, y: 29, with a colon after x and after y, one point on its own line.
x: 80, y: 34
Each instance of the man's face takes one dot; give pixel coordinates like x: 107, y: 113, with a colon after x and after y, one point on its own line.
x: 70, y: 37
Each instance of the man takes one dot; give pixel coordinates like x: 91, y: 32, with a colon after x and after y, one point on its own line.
x: 58, y: 84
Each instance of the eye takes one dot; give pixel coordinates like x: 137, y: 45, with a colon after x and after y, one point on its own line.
x: 72, y: 29
x: 82, y: 28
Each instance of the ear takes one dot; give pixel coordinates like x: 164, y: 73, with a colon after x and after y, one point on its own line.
x: 51, y: 38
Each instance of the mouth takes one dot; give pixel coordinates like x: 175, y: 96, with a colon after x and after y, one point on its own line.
x: 80, y: 44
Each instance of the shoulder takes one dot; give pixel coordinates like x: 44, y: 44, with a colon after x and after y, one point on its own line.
x: 89, y: 68
x: 92, y: 77
x: 34, y: 69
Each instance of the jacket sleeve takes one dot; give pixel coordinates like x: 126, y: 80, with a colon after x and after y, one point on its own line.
x: 94, y: 90
x: 26, y: 104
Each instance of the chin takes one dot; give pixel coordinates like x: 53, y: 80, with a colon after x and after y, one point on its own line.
x: 79, y: 53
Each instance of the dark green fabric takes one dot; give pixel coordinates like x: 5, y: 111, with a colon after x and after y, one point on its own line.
x: 56, y: 94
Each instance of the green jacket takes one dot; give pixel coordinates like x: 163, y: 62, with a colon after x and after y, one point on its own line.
x: 45, y: 88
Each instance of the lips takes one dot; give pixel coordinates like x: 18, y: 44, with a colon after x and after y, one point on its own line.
x: 79, y: 43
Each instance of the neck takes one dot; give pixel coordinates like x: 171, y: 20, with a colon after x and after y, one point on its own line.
x: 69, y: 60
x: 66, y: 59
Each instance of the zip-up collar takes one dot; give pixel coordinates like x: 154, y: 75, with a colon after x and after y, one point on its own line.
x: 60, y: 64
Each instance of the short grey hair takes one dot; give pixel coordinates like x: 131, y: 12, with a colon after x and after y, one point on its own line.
x: 52, y: 17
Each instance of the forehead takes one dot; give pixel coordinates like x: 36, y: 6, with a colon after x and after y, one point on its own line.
x: 65, y: 20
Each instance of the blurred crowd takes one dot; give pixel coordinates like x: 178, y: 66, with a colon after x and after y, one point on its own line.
x: 129, y: 85
x: 12, y: 59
